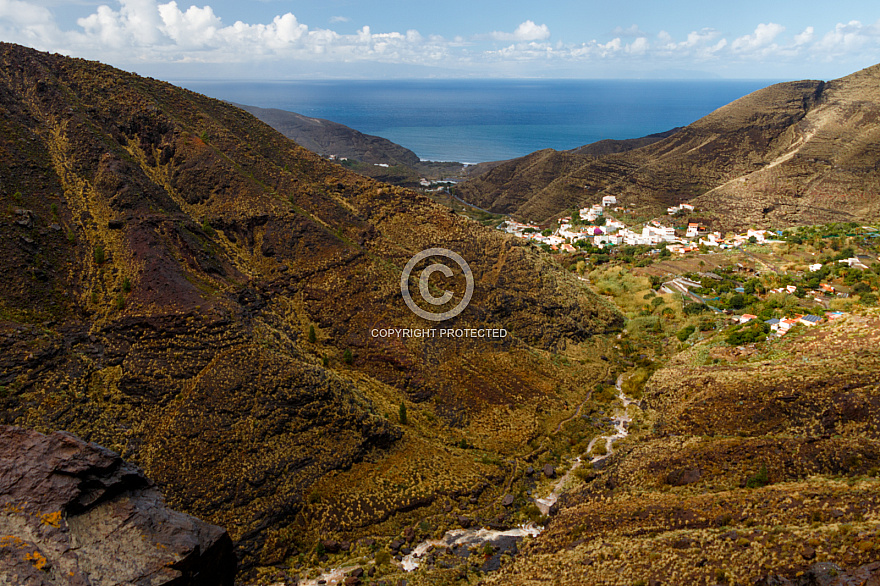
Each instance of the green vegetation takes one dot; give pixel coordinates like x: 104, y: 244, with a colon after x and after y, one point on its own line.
x: 98, y: 255
x: 347, y: 356
x: 749, y: 333
x: 311, y: 336
x: 685, y: 332
x: 759, y: 479
x: 401, y: 414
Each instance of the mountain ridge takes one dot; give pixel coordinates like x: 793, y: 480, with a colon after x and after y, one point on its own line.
x: 741, y: 163
x: 194, y: 291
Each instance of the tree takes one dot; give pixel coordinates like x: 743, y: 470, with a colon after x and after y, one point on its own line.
x: 401, y: 413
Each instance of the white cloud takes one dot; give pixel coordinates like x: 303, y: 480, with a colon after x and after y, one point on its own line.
x: 848, y: 38
x: 335, y: 19
x: 763, y: 36
x: 639, y: 46
x: 527, y: 31
x: 805, y: 37
x: 147, y: 31
x: 630, y: 31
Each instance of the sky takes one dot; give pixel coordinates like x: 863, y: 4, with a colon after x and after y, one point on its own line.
x: 395, y: 39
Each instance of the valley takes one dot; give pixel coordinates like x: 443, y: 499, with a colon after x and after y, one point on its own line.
x: 195, y: 292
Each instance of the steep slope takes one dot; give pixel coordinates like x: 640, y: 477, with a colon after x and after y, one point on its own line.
x: 760, y: 467
x: 188, y: 287
x: 331, y: 138
x: 797, y: 152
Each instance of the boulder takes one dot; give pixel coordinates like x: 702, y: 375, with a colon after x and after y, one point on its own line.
x: 549, y: 471
x: 507, y: 500
x: 77, y: 514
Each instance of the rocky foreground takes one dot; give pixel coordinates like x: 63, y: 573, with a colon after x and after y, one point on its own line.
x: 74, y: 513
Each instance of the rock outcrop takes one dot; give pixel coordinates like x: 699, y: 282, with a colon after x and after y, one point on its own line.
x: 72, y: 512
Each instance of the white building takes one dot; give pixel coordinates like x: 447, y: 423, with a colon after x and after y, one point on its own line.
x: 758, y: 234
x: 613, y: 225
x: 603, y: 239
x: 609, y: 200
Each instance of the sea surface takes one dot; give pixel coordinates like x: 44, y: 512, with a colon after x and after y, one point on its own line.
x: 472, y: 121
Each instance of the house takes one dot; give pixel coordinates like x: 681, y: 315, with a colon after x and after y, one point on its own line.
x: 567, y: 248
x: 686, y: 207
x: 609, y: 239
x: 854, y: 263
x: 746, y: 318
x: 692, y: 230
x: 815, y: 267
x: 791, y: 289
x: 773, y: 323
x: 826, y: 288
x: 786, y: 324
x: 609, y: 200
x: 757, y: 234
x: 687, y: 282
x: 810, y: 320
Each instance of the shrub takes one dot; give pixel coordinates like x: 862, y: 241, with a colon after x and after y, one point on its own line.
x: 347, y: 356
x: 99, y: 255
x: 761, y: 478
x: 126, y: 285
x: 312, y: 336
x: 401, y: 413
x: 120, y: 302
x: 383, y: 557
x: 685, y: 333
x: 325, y: 361
x: 694, y: 308
x: 748, y: 335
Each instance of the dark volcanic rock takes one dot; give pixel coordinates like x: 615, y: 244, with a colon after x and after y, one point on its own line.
x: 549, y: 471
x: 76, y: 513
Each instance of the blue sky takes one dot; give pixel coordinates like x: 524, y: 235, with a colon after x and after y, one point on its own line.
x: 290, y: 39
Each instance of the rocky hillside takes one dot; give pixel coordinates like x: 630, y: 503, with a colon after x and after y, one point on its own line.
x: 793, y: 153
x: 372, y: 156
x: 191, y: 289
x: 331, y: 138
x: 760, y: 466
x: 75, y: 513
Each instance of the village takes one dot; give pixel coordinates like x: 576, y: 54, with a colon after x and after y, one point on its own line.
x: 593, y: 226
x: 757, y: 300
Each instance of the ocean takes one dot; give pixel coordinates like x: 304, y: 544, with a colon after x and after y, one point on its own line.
x: 472, y: 121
